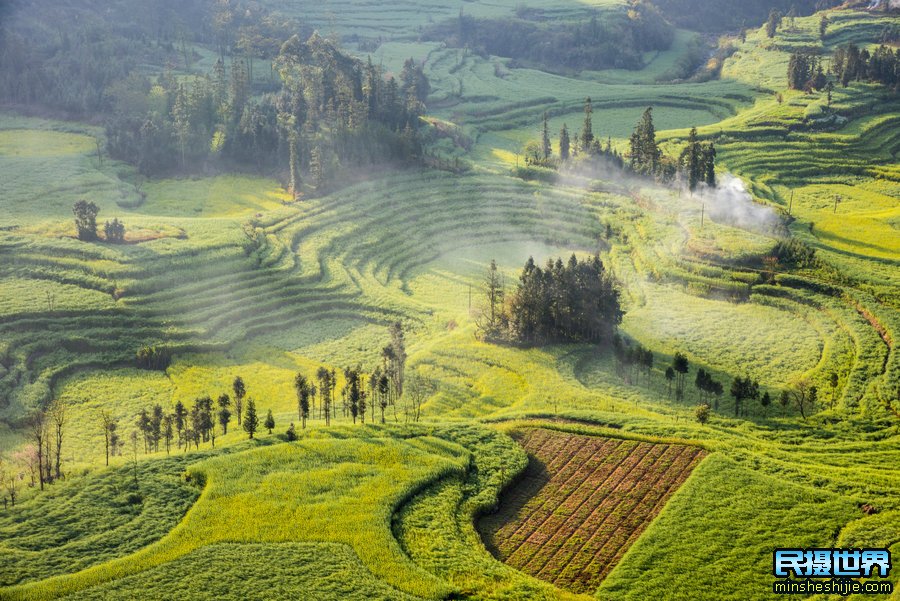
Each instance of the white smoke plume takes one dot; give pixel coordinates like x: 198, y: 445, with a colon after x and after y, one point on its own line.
x: 731, y: 204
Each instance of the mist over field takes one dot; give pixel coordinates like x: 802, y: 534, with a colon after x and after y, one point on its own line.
x: 730, y: 203
x: 446, y: 300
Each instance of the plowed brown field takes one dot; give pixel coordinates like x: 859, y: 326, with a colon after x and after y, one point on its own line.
x: 581, y: 503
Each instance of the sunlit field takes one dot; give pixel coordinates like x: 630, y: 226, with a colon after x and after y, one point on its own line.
x: 231, y: 273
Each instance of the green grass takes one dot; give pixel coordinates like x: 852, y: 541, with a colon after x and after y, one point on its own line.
x: 92, y: 518
x: 392, y: 509
x: 665, y: 563
x: 326, y: 571
x: 332, y: 490
x: 221, y: 196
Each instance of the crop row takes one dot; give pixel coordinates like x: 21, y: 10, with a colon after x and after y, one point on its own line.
x: 582, y: 502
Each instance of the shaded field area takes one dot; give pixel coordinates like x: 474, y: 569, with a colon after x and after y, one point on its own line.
x: 581, y: 503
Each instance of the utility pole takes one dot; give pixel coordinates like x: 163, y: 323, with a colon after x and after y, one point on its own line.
x: 791, y: 204
x: 470, y: 298
x: 702, y: 214
x: 836, y: 200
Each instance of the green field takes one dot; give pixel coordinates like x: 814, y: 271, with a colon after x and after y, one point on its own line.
x: 235, y: 278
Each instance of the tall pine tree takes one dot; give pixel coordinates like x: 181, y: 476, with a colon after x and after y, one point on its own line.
x: 645, y: 153
x: 691, y: 160
x: 587, y: 132
x: 564, y: 143
x: 546, y: 148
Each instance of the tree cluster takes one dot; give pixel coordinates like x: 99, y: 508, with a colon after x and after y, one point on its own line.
x: 43, y: 457
x: 69, y: 55
x: 86, y: 224
x: 794, y: 252
x: 708, y: 387
x: 805, y: 72
x: 157, y: 358
x: 317, y: 111
x: 697, y: 162
x: 563, y: 302
x: 330, y: 111
x: 744, y: 389
x: 850, y: 63
x: 582, y: 147
x: 615, y: 40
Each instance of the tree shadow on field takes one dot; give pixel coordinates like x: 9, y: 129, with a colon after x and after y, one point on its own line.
x: 512, y: 501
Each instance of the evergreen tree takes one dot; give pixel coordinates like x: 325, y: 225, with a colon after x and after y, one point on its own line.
x: 182, y: 121
x: 773, y: 23
x: 251, y: 420
x: 220, y: 87
x: 180, y: 415
x: 291, y: 434
x: 587, y: 130
x: 645, y: 153
x: 492, y: 318
x: 708, y: 154
x: 546, y: 148
x: 784, y: 400
x: 353, y: 391
x: 691, y: 161
x: 270, y: 422
x: 383, y: 389
x: 564, y: 143
x: 397, y: 368
x: 317, y: 168
x: 239, y: 392
x: 167, y: 430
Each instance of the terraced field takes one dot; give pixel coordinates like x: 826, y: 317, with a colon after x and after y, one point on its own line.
x: 234, y: 278
x: 581, y: 502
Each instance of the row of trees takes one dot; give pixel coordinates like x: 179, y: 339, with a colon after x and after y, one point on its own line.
x: 850, y: 63
x: 316, y: 398
x: 573, y: 301
x: 185, y: 427
x: 632, y: 360
x: 40, y: 462
x: 805, y: 72
x: 582, y: 145
x: 695, y: 165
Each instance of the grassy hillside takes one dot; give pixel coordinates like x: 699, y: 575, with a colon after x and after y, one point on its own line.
x: 234, y: 278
